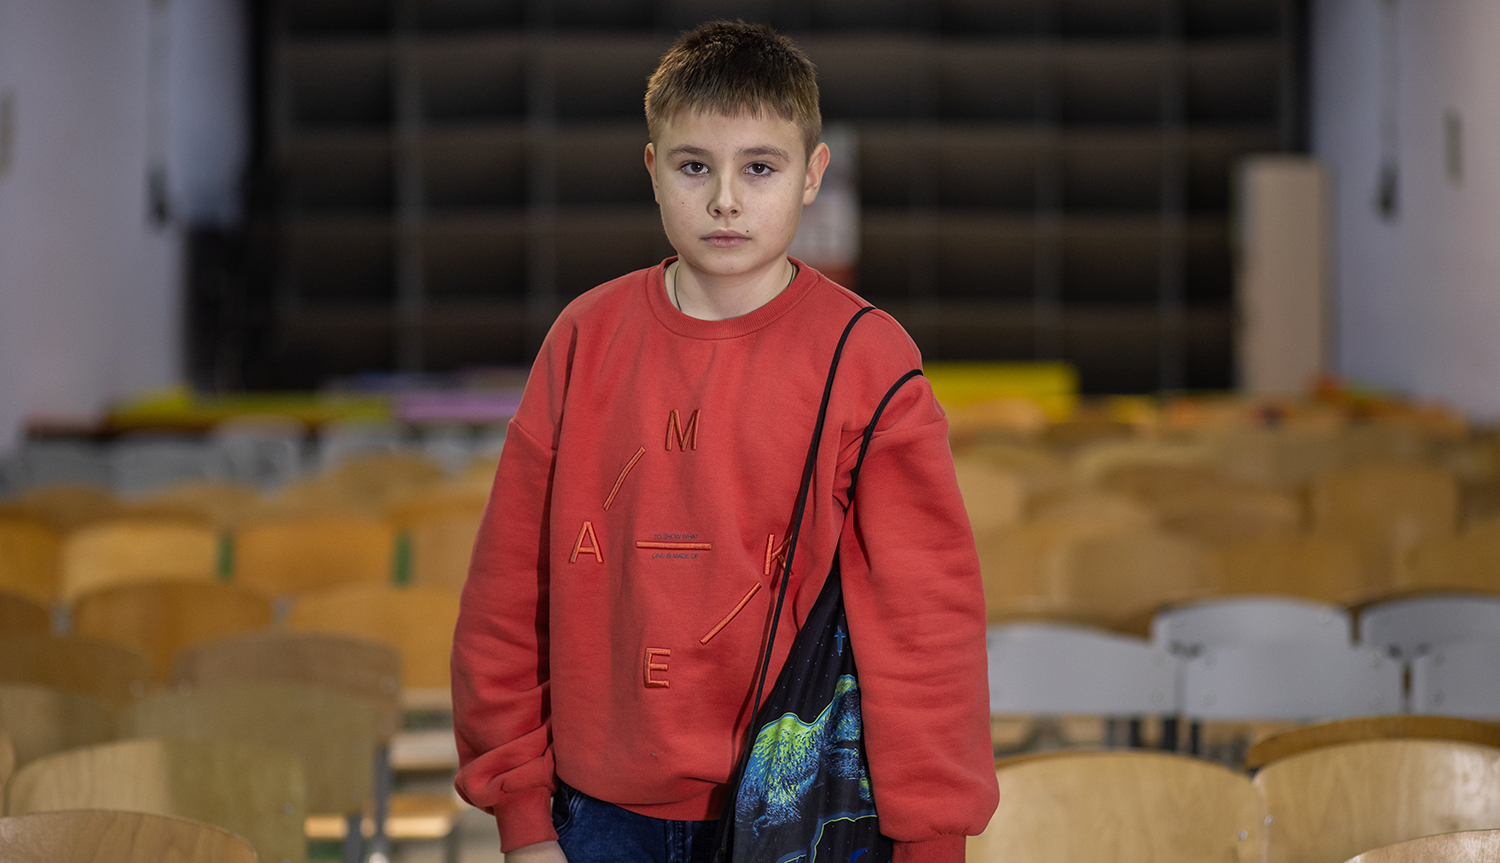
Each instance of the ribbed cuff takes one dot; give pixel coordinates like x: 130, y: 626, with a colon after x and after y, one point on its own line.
x: 525, y: 818
x: 943, y: 849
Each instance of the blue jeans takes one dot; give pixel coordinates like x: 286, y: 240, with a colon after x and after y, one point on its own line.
x: 592, y: 831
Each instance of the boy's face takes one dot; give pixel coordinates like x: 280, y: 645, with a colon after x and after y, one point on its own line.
x: 731, y: 189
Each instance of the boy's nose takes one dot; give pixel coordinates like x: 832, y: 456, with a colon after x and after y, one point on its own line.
x: 725, y: 202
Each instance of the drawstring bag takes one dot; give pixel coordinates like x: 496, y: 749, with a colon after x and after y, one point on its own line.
x: 802, y: 791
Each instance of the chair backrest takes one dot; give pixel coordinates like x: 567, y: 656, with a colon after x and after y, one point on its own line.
x: 65, y: 506
x: 367, y: 669
x: 417, y: 621
x: 1015, y: 563
x: 1124, y: 807
x: 111, y: 836
x: 1467, y: 846
x: 29, y: 554
x: 441, y: 544
x: 1461, y: 678
x: 220, y: 502
x: 21, y: 615
x: 1224, y: 514
x: 1411, y: 625
x: 1230, y: 620
x: 1387, y: 509
x: 41, y: 720
x: 1285, y: 458
x: 7, y: 760
x: 1125, y: 577
x: 160, y: 618
x: 137, y: 549
x: 301, y: 554
x: 114, y: 673
x: 1289, y: 681
x: 252, y: 790
x: 993, y: 497
x: 332, y: 733
x: 1390, y: 727
x: 1094, y: 512
x: 1468, y: 561
x: 1329, y: 804
x: 1052, y: 669
x: 1324, y: 568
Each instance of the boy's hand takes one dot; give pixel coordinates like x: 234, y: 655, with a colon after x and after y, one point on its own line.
x: 539, y: 852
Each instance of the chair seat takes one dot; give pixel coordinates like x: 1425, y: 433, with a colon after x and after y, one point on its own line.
x: 412, y: 817
x: 424, y: 750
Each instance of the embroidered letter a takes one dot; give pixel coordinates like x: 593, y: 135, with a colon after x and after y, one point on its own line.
x: 586, y: 535
x: 685, y: 438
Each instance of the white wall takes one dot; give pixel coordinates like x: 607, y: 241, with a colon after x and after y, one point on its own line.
x: 89, y: 288
x: 1417, y: 296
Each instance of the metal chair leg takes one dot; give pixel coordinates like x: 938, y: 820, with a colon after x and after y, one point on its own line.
x: 354, y: 838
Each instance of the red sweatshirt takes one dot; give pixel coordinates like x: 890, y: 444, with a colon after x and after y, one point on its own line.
x: 624, y: 573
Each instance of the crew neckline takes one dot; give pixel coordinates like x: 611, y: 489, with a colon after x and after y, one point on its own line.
x: 687, y: 325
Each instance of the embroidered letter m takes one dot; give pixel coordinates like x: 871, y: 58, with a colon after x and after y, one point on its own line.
x: 685, y: 438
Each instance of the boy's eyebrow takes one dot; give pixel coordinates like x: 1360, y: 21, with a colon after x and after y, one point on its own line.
x: 764, y: 150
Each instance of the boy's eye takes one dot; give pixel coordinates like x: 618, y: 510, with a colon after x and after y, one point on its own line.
x: 694, y: 168
x: 760, y: 169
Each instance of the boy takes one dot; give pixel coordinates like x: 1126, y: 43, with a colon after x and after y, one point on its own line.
x: 624, y: 575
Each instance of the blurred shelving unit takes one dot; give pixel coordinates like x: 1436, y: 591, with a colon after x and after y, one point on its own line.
x: 1040, y: 179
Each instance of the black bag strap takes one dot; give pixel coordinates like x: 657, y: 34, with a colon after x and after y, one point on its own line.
x: 802, y: 492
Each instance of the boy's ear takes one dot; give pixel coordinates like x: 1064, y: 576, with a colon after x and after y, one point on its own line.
x: 651, y: 169
x: 817, y: 163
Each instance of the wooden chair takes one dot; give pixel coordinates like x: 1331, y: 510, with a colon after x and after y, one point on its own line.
x: 1119, y: 580
x: 439, y: 545
x: 300, y: 554
x: 1467, y: 561
x: 29, y: 554
x: 1284, y: 458
x: 1362, y: 728
x: 994, y: 498
x: 20, y: 615
x: 1386, y: 510
x: 1093, y: 512
x: 254, y: 791
x: 1124, y: 807
x: 224, y: 504
x: 110, y: 672
x: 105, y: 836
x: 1322, y: 568
x: 370, y: 670
x: 160, y: 618
x: 1221, y: 514
x: 1468, y: 846
x: 41, y: 720
x: 366, y: 669
x: 417, y: 621
x: 67, y: 507
x: 1016, y: 564
x: 1328, y: 804
x: 7, y: 759
x: 333, y: 735
x: 123, y: 550
x: 384, y: 476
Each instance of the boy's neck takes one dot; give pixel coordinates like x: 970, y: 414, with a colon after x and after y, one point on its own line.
x: 710, y: 297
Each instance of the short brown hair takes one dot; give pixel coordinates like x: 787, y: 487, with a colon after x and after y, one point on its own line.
x: 734, y: 68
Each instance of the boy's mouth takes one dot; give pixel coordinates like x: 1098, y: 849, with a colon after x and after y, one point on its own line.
x: 725, y: 239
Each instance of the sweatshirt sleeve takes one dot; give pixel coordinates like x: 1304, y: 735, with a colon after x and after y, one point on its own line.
x: 500, y: 674
x: 915, y: 604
